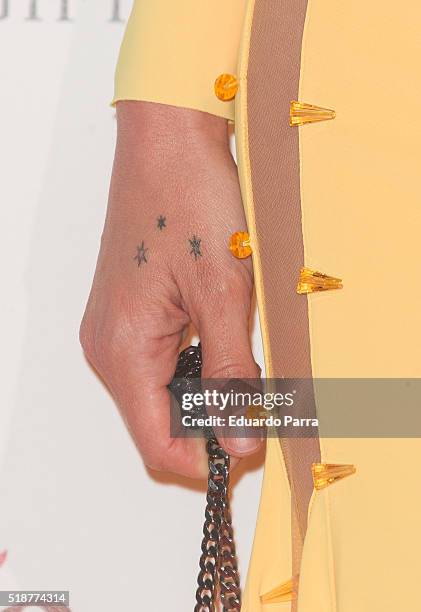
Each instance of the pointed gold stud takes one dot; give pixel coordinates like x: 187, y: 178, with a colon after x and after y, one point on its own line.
x: 240, y: 245
x: 325, y: 474
x: 311, y: 281
x: 301, y: 113
x: 256, y: 412
x: 282, y: 593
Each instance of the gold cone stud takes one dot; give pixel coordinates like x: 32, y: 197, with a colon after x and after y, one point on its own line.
x: 256, y: 412
x: 282, y: 593
x: 239, y: 245
x: 301, y: 113
x: 226, y: 87
x: 311, y: 281
x: 325, y: 474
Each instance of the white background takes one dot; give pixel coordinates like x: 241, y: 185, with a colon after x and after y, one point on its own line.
x: 78, y: 510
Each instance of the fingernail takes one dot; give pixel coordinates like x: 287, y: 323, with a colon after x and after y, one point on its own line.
x: 242, y: 446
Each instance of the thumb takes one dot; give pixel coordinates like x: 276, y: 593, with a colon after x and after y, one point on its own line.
x: 226, y: 353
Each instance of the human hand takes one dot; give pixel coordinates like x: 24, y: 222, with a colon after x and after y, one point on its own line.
x: 164, y: 262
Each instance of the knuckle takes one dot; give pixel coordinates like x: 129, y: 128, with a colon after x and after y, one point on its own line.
x: 85, y: 337
x: 105, y: 336
x: 154, y: 463
x: 119, y: 334
x: 116, y: 329
x: 124, y: 328
x: 88, y: 338
x: 156, y: 458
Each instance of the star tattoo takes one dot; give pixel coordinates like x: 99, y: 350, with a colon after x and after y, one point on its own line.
x: 141, y: 254
x: 195, y: 247
x: 162, y: 222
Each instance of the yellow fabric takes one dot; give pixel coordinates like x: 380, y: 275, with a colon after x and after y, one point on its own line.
x: 173, y: 50
x: 360, y: 194
x: 275, y: 495
x: 361, y: 220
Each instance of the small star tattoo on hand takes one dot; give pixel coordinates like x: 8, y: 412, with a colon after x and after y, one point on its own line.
x: 195, y: 247
x: 162, y: 222
x: 141, y: 254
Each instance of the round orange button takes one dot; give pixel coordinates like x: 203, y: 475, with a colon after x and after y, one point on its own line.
x: 240, y: 245
x: 226, y: 86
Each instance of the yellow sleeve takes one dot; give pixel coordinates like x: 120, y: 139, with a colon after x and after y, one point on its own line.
x: 173, y: 50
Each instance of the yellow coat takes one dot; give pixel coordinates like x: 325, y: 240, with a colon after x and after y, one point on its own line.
x: 340, y: 196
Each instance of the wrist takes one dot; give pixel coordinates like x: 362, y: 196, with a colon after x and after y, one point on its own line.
x: 149, y: 126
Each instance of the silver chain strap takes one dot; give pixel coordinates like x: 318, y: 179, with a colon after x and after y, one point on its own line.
x: 218, y: 577
x: 218, y: 562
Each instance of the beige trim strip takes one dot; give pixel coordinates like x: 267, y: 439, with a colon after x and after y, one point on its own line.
x: 243, y: 160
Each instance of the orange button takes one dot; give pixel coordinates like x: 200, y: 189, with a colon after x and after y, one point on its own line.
x: 240, y: 245
x: 226, y: 86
